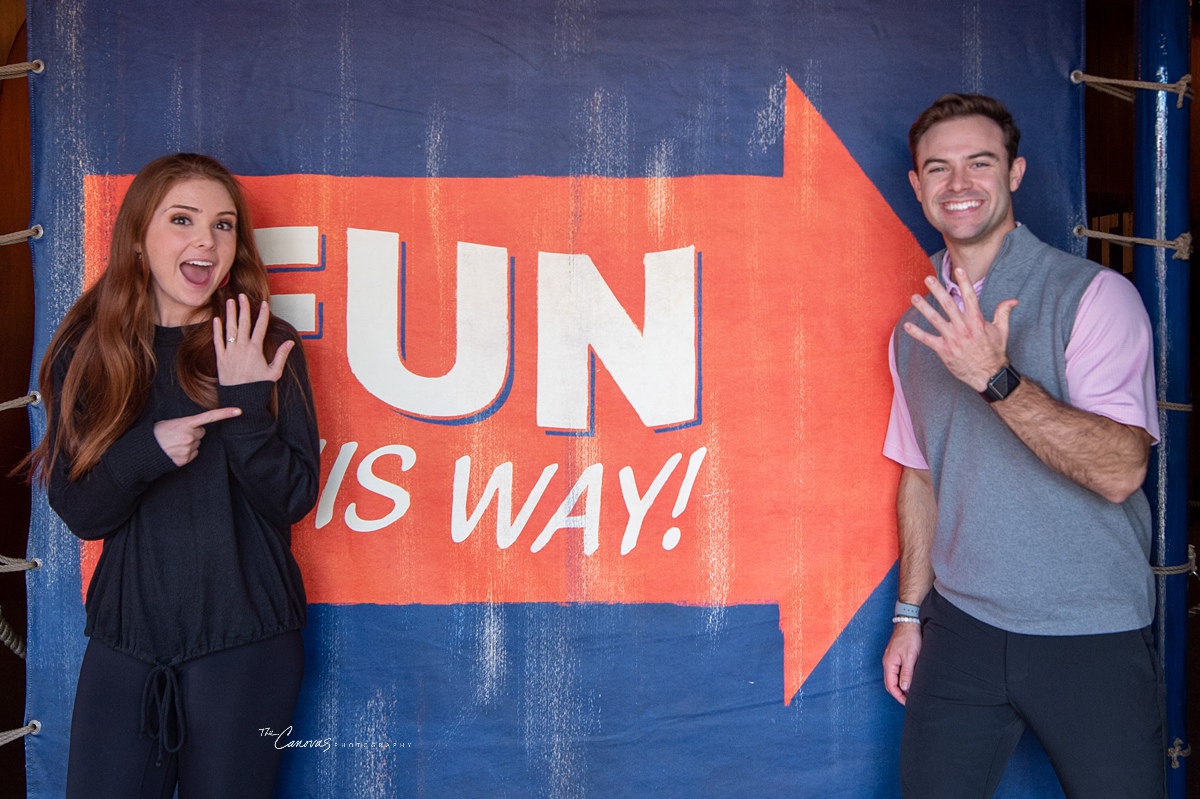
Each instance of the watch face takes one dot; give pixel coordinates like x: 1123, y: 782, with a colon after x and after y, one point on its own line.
x: 1002, y: 384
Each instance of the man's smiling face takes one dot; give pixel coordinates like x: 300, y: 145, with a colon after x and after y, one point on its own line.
x: 964, y: 181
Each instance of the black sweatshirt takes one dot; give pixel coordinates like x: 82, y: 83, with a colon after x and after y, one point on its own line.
x: 197, y: 558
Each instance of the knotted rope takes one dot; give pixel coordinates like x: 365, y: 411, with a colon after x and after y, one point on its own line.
x: 34, y: 232
x: 1182, y: 245
x: 19, y: 70
x: 8, y: 564
x: 32, y: 728
x: 11, y: 638
x: 1181, y: 87
x: 1186, y: 568
x: 32, y: 398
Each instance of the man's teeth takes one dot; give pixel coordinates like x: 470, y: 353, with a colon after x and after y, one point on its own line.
x: 963, y: 206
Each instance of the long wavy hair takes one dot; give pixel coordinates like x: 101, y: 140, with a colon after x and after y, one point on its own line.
x: 107, y: 337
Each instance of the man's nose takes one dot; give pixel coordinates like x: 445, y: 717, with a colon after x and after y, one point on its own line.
x: 959, y: 179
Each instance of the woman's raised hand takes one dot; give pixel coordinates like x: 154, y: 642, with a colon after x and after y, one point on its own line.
x: 240, y: 356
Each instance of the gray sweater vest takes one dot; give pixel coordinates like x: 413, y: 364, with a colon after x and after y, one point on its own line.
x: 1017, y: 545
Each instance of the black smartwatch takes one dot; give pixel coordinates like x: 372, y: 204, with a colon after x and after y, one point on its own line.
x: 1001, y: 384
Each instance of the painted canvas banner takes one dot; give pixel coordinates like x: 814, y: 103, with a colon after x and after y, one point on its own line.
x: 596, y: 297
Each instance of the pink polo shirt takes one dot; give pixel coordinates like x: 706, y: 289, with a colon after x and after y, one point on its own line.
x: 1109, y: 361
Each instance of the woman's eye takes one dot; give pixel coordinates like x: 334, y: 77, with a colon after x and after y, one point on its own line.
x: 224, y: 224
x: 180, y: 219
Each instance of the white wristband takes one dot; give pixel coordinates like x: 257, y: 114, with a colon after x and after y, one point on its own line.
x: 905, y: 620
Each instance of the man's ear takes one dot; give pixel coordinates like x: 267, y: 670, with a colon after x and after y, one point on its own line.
x: 916, y: 183
x: 1015, y: 173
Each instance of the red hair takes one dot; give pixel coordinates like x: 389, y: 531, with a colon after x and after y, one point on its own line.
x: 108, y: 335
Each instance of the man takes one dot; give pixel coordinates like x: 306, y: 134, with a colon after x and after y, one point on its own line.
x: 1024, y: 533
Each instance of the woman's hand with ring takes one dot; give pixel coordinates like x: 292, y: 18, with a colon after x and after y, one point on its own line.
x: 240, y: 357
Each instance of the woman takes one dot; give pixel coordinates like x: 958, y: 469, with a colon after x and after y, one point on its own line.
x: 181, y: 431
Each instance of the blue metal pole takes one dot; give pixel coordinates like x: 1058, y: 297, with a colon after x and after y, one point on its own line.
x: 1161, y: 212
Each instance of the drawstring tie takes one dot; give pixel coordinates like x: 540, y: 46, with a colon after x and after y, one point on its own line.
x: 162, y: 710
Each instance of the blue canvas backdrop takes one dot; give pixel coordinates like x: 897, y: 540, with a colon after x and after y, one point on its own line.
x: 605, y: 700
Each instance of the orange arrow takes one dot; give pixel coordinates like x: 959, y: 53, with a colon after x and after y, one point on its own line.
x: 791, y: 504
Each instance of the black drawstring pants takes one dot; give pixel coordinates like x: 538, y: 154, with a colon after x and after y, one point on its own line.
x: 139, y: 729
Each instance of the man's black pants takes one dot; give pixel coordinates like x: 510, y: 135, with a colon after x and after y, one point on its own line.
x: 1096, y: 703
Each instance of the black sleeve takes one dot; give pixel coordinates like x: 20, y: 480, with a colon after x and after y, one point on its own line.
x: 101, y: 502
x: 275, y: 461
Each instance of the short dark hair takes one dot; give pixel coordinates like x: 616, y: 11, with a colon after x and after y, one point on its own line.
x: 953, y: 106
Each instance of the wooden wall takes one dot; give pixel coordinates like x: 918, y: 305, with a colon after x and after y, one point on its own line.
x: 16, y: 344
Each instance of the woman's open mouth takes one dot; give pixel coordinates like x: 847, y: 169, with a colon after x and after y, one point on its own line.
x: 197, y: 272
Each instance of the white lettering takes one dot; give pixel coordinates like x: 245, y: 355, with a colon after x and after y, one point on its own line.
x: 375, y: 484
x: 334, y: 483
x: 578, y: 314
x: 298, y: 310
x: 372, y: 328
x: 500, y: 486
x: 638, y: 505
x: 289, y: 245
x: 588, y: 486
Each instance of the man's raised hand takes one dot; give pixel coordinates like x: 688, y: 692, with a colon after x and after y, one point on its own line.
x: 972, y: 348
